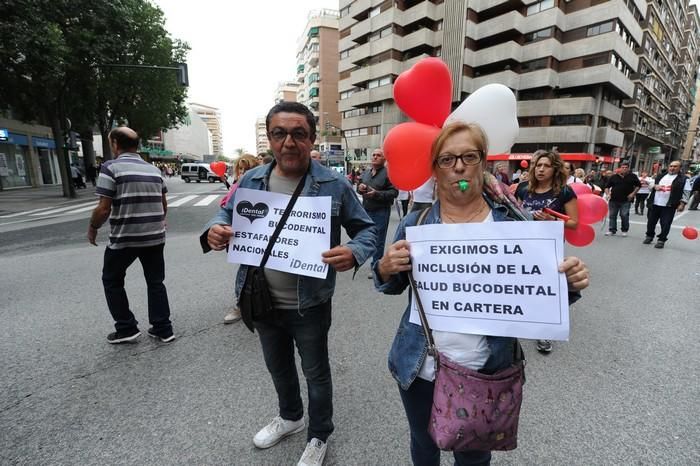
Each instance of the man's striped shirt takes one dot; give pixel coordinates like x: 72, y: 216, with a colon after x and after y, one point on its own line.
x: 136, y: 188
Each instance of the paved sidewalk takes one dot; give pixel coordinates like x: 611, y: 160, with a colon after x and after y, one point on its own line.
x: 23, y: 199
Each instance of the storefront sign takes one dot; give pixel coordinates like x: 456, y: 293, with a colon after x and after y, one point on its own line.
x: 4, y: 134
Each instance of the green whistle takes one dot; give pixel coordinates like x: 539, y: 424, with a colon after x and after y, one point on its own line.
x: 463, y: 185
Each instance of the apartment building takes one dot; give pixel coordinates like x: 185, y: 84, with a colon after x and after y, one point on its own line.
x: 262, y: 145
x: 286, y: 91
x: 317, y: 76
x: 657, y: 118
x: 571, y: 65
x: 212, y: 118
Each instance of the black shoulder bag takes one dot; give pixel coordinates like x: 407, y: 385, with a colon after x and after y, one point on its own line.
x: 255, y: 301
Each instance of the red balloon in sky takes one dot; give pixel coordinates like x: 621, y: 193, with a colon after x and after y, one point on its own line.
x: 582, y: 236
x: 218, y: 167
x: 581, y: 188
x: 407, y: 152
x: 424, y: 92
x: 523, y: 164
x: 690, y: 232
x: 591, y: 208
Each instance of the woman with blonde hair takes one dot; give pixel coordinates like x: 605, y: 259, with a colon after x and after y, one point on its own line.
x: 244, y: 163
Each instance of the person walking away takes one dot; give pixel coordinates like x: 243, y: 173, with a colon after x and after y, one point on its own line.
x: 404, y: 197
x: 132, y: 195
x: 621, y: 190
x: 302, y: 304
x: 640, y: 198
x: 459, y: 152
x: 669, y: 194
x: 378, y: 196
x: 546, y: 188
x: 243, y: 164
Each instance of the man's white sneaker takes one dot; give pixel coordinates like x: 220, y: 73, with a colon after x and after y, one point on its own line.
x: 314, y: 454
x: 276, y: 430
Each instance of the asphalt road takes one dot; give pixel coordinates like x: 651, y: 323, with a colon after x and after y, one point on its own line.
x: 624, y: 390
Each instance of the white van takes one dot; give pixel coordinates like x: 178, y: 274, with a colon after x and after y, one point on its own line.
x: 198, y: 172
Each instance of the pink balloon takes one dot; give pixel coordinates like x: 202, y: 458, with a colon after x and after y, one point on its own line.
x: 407, y: 152
x: 591, y: 209
x: 424, y: 92
x: 690, y: 232
x: 581, y: 188
x: 582, y: 236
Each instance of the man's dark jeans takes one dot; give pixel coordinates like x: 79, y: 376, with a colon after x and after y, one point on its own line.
x: 417, y: 402
x: 381, y: 220
x: 665, y: 215
x: 624, y: 209
x: 116, y: 261
x: 309, y: 330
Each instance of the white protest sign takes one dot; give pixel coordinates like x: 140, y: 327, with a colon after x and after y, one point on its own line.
x: 496, y: 278
x: 305, y: 235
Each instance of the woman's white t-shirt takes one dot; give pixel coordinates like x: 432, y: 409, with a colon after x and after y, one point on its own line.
x: 467, y: 350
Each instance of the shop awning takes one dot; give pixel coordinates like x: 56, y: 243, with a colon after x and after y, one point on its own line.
x: 568, y: 156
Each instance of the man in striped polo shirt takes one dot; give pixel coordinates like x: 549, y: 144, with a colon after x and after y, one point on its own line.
x: 132, y: 196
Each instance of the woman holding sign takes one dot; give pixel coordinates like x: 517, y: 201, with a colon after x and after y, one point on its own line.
x: 548, y: 197
x: 458, y: 164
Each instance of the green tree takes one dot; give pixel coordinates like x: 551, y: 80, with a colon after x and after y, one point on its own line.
x: 146, y: 99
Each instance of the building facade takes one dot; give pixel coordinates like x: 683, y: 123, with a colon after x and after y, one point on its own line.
x: 317, y: 76
x: 212, y: 118
x: 262, y: 145
x: 657, y: 118
x: 286, y: 91
x: 571, y: 64
x: 28, y: 156
x: 190, y: 141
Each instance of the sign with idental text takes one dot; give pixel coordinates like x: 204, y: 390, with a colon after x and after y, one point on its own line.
x: 494, y: 278
x: 304, y: 236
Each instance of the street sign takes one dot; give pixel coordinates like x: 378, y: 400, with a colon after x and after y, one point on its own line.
x: 4, y: 134
x: 654, y: 149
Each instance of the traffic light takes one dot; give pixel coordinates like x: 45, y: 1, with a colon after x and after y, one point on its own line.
x: 183, y: 78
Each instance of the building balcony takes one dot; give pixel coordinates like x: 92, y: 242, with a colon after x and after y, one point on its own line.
x: 362, y: 121
x: 597, y: 75
x: 507, y: 78
x: 553, y: 134
x: 507, y: 51
x: 367, y: 96
x: 566, y: 106
x: 609, y: 136
x: 420, y: 11
x: 419, y: 37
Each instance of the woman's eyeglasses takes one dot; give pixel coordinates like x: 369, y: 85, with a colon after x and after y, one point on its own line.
x: 472, y: 157
x: 280, y: 134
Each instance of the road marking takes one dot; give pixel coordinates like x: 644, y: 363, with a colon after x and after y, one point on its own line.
x: 26, y: 212
x: 83, y: 209
x: 63, y: 209
x: 207, y: 200
x: 181, y: 201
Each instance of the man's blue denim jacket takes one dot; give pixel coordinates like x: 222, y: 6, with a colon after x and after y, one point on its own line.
x: 410, y: 347
x: 346, y: 210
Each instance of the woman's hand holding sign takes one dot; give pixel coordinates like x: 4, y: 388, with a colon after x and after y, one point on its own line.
x: 577, y: 274
x: 219, y: 236
x: 397, y: 259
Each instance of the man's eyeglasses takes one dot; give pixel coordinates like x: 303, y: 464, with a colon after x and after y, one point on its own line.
x: 280, y: 134
x: 472, y: 157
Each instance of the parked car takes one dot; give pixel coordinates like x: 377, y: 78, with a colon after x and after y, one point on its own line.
x: 198, y: 172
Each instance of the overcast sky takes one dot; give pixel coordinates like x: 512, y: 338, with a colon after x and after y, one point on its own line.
x: 240, y: 51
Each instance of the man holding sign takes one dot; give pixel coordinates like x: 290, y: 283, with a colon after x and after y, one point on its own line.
x: 301, y: 288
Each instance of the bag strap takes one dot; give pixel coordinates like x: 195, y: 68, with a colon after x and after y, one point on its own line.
x: 423, y: 319
x: 283, y: 220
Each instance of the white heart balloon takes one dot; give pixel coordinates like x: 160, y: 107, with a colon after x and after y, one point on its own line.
x: 493, y: 107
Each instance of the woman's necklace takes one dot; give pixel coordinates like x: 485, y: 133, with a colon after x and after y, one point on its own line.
x: 472, y: 217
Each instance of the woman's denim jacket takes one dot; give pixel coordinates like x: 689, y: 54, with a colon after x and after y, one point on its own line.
x: 410, y: 347
x: 346, y: 210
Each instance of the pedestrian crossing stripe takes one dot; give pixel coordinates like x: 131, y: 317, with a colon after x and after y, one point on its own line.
x: 195, y: 200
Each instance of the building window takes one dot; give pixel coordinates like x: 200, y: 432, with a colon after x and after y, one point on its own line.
x: 383, y: 81
x: 345, y: 54
x: 346, y: 94
x: 439, y: 25
x: 569, y: 120
x: 538, y: 35
x: 539, y: 6
x: 374, y: 12
x: 313, y: 32
x: 601, y: 28
x: 345, y: 11
x: 313, y: 92
x: 534, y: 65
x: 313, y: 77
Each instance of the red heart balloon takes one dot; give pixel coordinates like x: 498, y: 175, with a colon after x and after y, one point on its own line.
x: 690, y: 232
x: 424, y: 92
x: 218, y: 167
x: 407, y: 152
x: 591, y: 208
x: 582, y: 236
x: 524, y: 164
x: 580, y: 188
